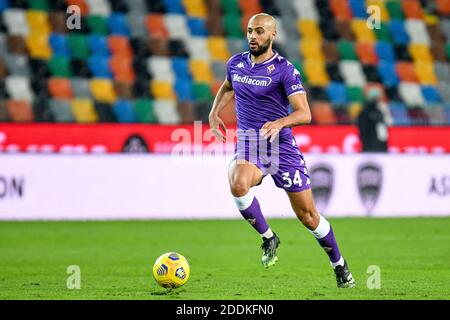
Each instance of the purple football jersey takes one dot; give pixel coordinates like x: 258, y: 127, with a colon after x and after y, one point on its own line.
x: 261, y: 93
x: 262, y: 89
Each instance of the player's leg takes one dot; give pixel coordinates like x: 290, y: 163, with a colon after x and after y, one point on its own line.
x: 242, y: 176
x: 305, y: 209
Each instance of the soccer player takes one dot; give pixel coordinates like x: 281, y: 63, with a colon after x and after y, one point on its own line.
x: 264, y: 84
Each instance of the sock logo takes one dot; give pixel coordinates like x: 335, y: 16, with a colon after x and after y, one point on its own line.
x: 252, y: 221
x: 327, y: 249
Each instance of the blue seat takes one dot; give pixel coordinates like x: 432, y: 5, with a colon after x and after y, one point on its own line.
x: 447, y: 112
x: 385, y: 51
x: 337, y: 93
x: 197, y: 26
x: 174, y: 6
x: 99, y: 66
x: 99, y: 45
x: 124, y: 111
x: 398, y: 32
x: 386, y: 69
x: 358, y: 8
x: 399, y: 113
x: 431, y: 94
x: 58, y: 43
x: 183, y: 89
x: 181, y: 68
x: 118, y: 24
x: 4, y: 4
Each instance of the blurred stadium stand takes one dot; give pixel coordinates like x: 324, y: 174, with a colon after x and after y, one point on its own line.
x: 162, y: 61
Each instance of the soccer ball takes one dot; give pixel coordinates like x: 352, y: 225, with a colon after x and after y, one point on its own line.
x: 171, y: 270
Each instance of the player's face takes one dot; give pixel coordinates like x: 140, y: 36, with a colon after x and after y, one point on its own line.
x: 259, y: 39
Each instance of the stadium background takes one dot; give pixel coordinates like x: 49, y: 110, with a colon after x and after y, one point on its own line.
x: 87, y: 118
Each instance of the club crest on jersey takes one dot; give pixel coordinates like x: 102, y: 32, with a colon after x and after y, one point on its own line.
x: 270, y: 69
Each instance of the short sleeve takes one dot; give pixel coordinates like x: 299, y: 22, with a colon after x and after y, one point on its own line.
x: 292, y: 81
x: 229, y: 69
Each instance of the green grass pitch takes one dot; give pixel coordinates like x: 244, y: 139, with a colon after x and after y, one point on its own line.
x: 116, y: 258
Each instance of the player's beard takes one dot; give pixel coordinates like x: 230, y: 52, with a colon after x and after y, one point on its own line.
x: 261, y: 49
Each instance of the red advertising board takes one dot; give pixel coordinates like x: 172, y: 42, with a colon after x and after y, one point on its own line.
x: 99, y: 138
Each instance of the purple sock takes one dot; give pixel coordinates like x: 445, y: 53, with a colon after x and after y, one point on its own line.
x: 325, y: 236
x: 252, y: 213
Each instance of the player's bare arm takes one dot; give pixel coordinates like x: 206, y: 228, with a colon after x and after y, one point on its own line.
x: 224, y: 95
x: 300, y: 116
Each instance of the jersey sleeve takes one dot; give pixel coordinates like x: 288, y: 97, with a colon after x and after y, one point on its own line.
x: 292, y: 81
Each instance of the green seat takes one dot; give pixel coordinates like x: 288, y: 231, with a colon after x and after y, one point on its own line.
x: 78, y: 46
x: 395, y: 9
x: 202, y: 92
x: 232, y: 26
x: 144, y: 111
x: 448, y: 51
x: 230, y: 7
x: 97, y: 24
x: 383, y: 33
x: 60, y: 67
x: 41, y: 5
x: 299, y: 67
x: 355, y: 94
x: 346, y: 50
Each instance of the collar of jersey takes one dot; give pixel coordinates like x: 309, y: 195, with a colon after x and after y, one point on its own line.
x: 261, y: 63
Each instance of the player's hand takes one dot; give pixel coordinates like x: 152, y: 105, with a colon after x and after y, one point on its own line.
x: 271, y: 129
x: 216, y: 124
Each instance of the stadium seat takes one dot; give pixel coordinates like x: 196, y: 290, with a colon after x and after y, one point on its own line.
x: 120, y: 45
x: 19, y: 111
x: 124, y: 111
x: 176, y: 25
x: 406, y: 71
x: 195, y: 8
x: 218, y: 49
x: 82, y: 4
x: 389, y: 77
x: 99, y: 45
x: 99, y: 66
x: 398, y: 32
x: 366, y: 53
x: 417, y: 32
x: 58, y: 44
x: 197, y: 26
x: 162, y: 90
x: 358, y: 9
x: 181, y: 68
x: 382, y: 33
x: 183, y: 90
x: 80, y: 87
x: 355, y: 94
x: 230, y: 7
x: 322, y: 113
x: 122, y: 69
x: 411, y: 94
x: 341, y: 9
x: 98, y: 25
x: 309, y: 29
x: 354, y: 109
x: 198, y: 48
x: 316, y: 72
x: 161, y: 68
x: 99, y: 7
x: 17, y: 64
x: 102, y: 90
x: 250, y: 7
x: 38, y: 46
x: 118, y: 24
x: 219, y: 70
x: 166, y: 111
x: 38, y: 21
x: 352, y: 73
x: 394, y: 8
x: 412, y: 9
x: 425, y: 73
x: 16, y: 21
x: 201, y: 71
x: 399, y: 113
x: 442, y: 71
x: 337, y: 93
x: 202, y: 92
x: 443, y: 7
x: 144, y: 111
x: 83, y: 110
x: 346, y: 50
x: 61, y: 110
x: 174, y: 6
x: 420, y: 52
x: 60, y: 88
x: 78, y: 45
x: 431, y: 94
x: 232, y: 26
x: 19, y: 88
x: 155, y: 25
x: 312, y: 49
x: 362, y: 33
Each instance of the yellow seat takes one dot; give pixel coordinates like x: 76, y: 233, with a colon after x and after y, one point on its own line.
x: 218, y: 49
x: 103, y: 90
x: 384, y: 14
x: 162, y: 90
x: 312, y: 49
x: 38, y: 45
x: 316, y: 72
x: 309, y: 29
x: 201, y: 71
x: 420, y: 52
x: 195, y: 8
x: 425, y: 72
x: 362, y: 32
x: 354, y: 110
x: 38, y: 21
x: 84, y: 110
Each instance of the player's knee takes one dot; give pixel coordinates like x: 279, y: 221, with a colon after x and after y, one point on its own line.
x: 309, y: 218
x: 239, y: 188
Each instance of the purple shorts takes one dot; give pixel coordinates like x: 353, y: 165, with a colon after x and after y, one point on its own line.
x: 281, y: 159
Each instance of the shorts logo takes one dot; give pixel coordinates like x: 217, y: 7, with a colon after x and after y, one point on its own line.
x: 369, y: 180
x: 259, y: 81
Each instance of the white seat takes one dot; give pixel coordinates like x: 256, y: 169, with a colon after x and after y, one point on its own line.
x: 281, y: 37
x: 166, y: 111
x: 176, y: 26
x: 198, y: 48
x: 442, y: 70
x: 19, y: 88
x: 352, y: 73
x: 417, y: 31
x: 410, y: 93
x: 16, y: 21
x: 161, y: 68
x: 306, y: 10
x: 99, y: 7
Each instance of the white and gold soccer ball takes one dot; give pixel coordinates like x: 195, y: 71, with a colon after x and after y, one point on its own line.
x: 171, y: 270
